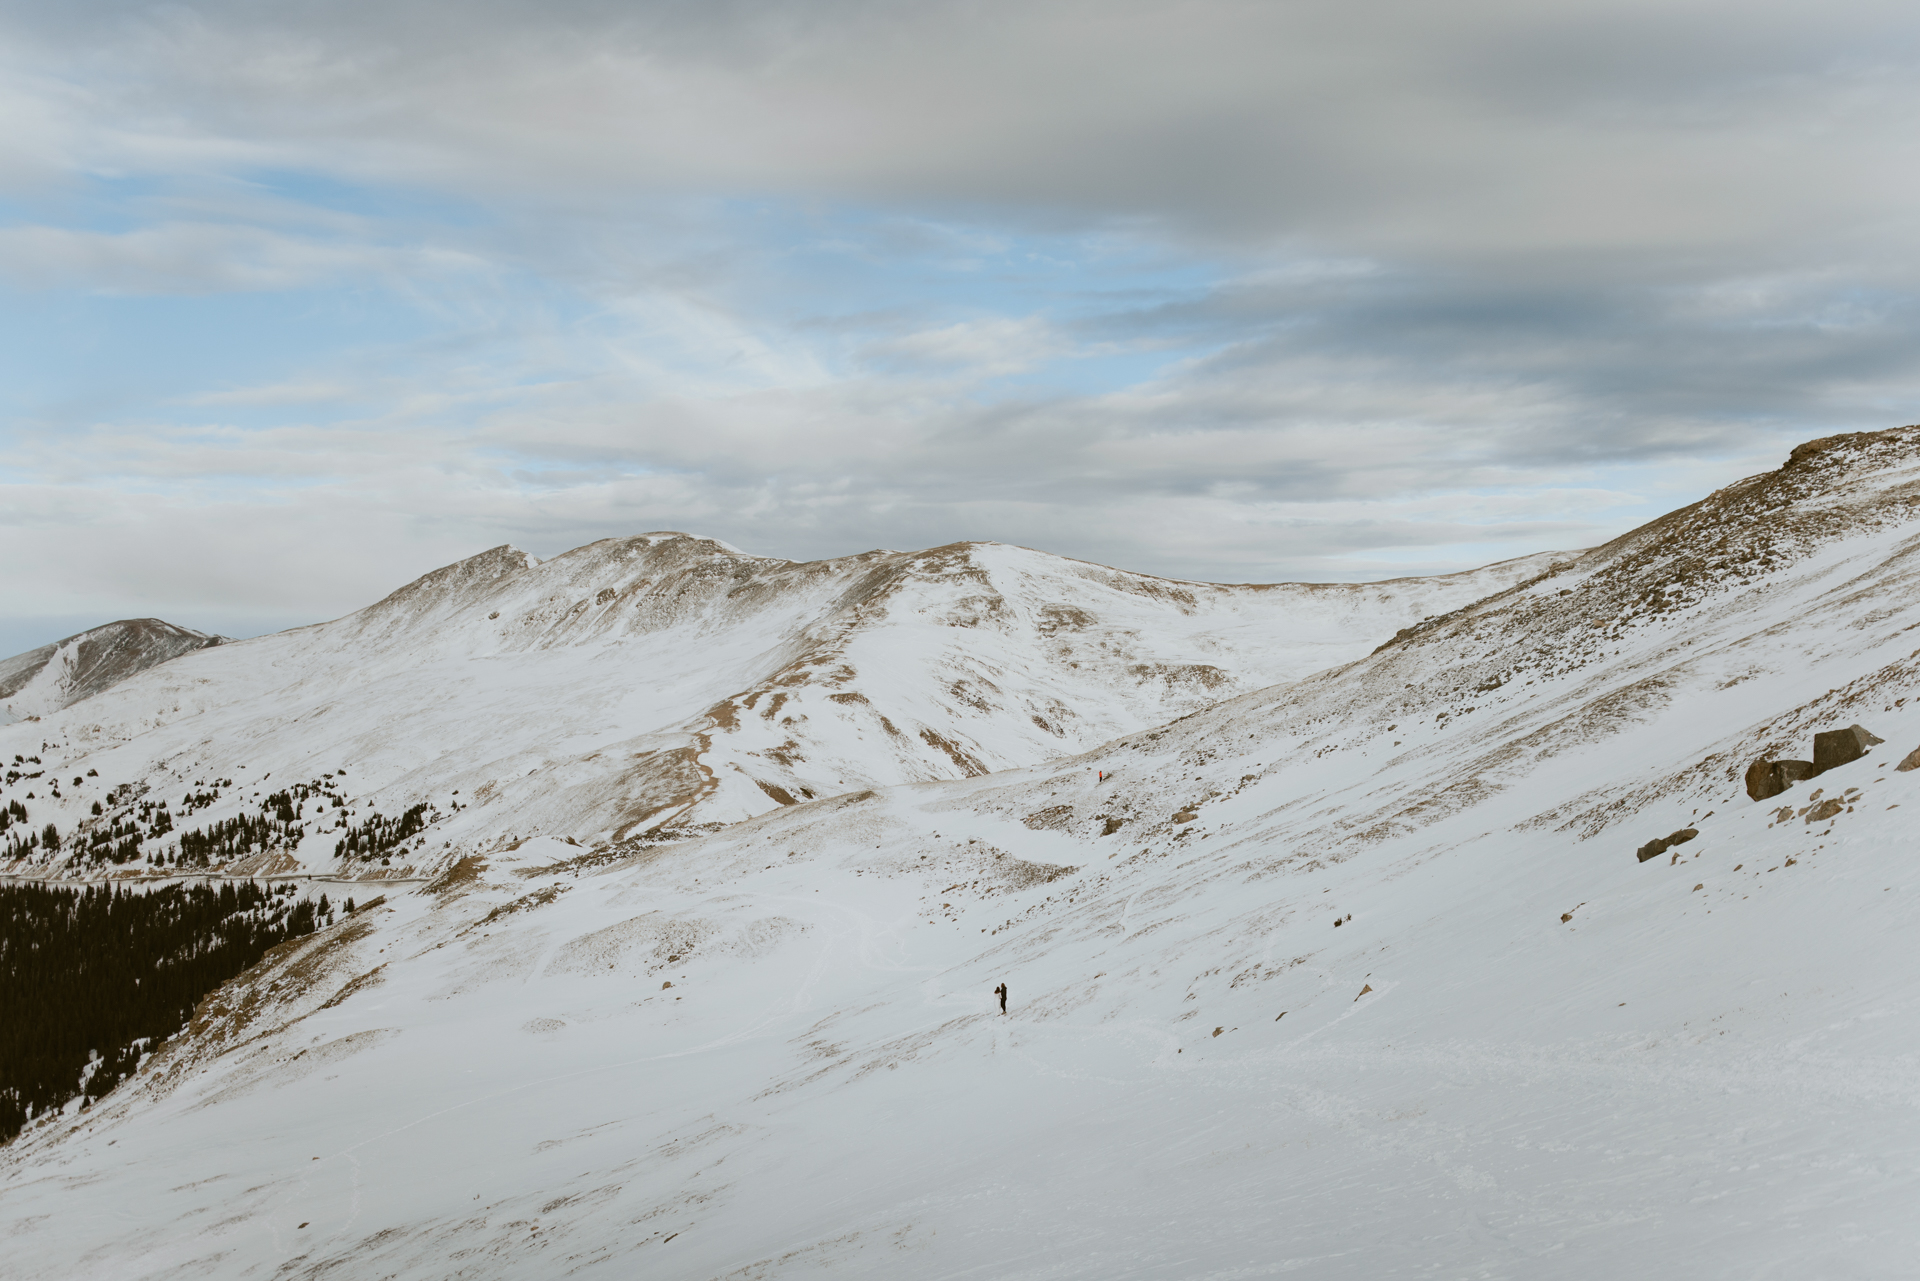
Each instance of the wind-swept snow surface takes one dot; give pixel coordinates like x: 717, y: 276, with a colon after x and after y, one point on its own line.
x: 664, y: 683
x: 1355, y: 977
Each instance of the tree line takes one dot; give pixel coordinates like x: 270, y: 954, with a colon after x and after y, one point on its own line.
x: 92, y: 979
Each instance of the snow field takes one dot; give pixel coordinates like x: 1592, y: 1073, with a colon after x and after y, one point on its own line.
x: 1570, y: 1063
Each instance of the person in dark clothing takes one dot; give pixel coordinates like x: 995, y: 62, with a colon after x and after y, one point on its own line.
x: 1001, y: 992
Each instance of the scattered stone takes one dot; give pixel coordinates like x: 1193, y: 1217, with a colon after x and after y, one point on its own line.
x: 1701, y: 886
x: 1911, y: 763
x: 1652, y: 849
x: 1565, y: 917
x: 1217, y: 1031
x: 1364, y: 990
x: 1825, y: 809
x: 666, y: 985
x: 1281, y: 1015
x: 1682, y: 836
x: 1840, y: 746
x: 1185, y: 816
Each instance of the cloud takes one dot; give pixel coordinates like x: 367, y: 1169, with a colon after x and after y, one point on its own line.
x: 1487, y: 127
x: 989, y: 348
x: 321, y: 296
x: 175, y: 258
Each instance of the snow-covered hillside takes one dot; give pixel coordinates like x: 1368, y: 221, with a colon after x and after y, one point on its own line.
x: 1356, y: 977
x: 660, y: 683
x: 55, y: 676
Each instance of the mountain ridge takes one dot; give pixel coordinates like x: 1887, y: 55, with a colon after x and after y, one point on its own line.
x: 664, y: 683
x: 1358, y: 975
x: 86, y: 663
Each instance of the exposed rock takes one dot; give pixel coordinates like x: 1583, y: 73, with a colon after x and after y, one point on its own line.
x: 1185, y: 816
x: 1364, y: 990
x: 1111, y: 824
x: 1790, y: 772
x: 1767, y: 779
x: 1911, y: 763
x: 1054, y: 817
x: 1825, y: 809
x: 1655, y: 848
x: 1839, y: 746
x: 1761, y: 783
x: 61, y: 674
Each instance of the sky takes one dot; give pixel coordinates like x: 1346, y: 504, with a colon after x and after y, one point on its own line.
x: 300, y: 301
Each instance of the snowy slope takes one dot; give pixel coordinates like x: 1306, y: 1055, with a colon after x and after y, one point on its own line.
x: 773, y: 1052
x: 668, y: 682
x: 54, y: 676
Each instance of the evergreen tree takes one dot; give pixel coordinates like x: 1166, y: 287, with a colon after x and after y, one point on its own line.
x: 98, y: 969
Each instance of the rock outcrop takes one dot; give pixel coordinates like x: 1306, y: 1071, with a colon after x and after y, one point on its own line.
x: 1831, y: 748
x: 1770, y: 778
x: 1655, y: 848
x: 1841, y: 746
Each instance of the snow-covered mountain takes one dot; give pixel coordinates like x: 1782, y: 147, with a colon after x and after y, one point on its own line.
x: 55, y: 676
x: 1357, y: 976
x: 664, y: 683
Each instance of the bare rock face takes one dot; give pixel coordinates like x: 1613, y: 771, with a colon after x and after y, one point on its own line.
x: 1840, y: 746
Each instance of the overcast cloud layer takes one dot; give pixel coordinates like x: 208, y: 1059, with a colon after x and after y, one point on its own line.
x: 302, y: 300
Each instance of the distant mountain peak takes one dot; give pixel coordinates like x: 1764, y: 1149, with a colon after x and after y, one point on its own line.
x: 77, y: 667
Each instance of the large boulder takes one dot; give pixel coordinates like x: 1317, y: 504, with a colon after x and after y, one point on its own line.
x: 1840, y: 746
x: 1790, y: 772
x: 1770, y: 778
x: 1911, y: 763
